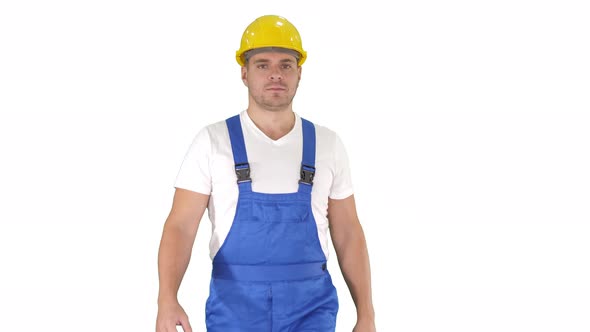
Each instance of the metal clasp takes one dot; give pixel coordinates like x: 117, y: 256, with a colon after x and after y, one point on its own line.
x: 243, y: 172
x: 307, y: 174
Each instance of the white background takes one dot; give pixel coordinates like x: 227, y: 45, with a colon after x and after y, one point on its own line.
x: 466, y: 123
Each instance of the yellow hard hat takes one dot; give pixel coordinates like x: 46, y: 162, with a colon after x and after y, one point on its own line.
x: 271, y: 31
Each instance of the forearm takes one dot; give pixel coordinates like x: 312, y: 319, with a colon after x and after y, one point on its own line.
x: 173, y: 259
x: 353, y: 259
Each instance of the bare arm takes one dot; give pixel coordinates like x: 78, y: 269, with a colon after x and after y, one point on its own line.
x: 176, y: 246
x: 351, y: 248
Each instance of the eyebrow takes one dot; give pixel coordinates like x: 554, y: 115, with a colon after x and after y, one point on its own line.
x: 281, y: 61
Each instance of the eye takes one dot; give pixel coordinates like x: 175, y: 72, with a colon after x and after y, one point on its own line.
x: 262, y: 66
x: 287, y: 66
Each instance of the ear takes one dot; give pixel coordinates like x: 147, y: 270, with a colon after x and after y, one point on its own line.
x: 299, y: 68
x: 245, y: 75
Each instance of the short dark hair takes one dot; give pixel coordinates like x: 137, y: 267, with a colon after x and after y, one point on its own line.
x: 248, y: 54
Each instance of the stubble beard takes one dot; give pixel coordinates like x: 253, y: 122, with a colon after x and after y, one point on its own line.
x: 274, y: 104
x: 271, y: 103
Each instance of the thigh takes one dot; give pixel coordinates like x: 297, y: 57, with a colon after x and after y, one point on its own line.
x: 305, y: 306
x: 321, y: 320
x: 235, y: 306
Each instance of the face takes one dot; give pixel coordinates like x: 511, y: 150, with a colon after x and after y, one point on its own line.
x: 272, y: 79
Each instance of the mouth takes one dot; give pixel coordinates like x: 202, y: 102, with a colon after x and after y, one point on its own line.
x: 276, y: 88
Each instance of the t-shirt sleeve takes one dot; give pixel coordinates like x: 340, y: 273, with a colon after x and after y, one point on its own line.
x: 342, y: 182
x: 194, y: 173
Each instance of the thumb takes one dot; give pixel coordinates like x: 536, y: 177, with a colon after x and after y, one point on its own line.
x: 186, y: 326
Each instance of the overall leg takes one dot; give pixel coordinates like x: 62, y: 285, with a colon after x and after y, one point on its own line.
x: 238, y: 306
x: 305, y: 306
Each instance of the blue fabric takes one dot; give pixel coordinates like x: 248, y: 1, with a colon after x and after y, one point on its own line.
x: 308, y: 143
x: 308, y: 159
x: 269, y: 274
x: 237, y: 138
x: 238, y: 149
x: 283, y: 306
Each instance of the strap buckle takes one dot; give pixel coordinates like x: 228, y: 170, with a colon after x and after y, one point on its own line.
x: 307, y: 174
x: 243, y: 172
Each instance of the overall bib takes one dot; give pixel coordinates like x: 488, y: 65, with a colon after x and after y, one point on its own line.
x: 270, y: 273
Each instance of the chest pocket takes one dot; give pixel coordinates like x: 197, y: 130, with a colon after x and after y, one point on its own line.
x: 255, y: 211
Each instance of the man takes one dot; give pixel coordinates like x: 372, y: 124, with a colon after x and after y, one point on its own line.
x: 274, y: 184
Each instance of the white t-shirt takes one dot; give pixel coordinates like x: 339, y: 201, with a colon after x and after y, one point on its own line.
x: 208, y: 168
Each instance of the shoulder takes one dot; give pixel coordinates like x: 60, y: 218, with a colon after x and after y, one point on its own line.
x: 325, y: 135
x: 216, y: 128
x: 212, y: 132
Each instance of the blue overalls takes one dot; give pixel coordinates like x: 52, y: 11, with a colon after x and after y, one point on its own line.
x: 270, y: 273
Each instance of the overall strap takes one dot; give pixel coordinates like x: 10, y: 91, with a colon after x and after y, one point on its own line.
x: 308, y: 159
x: 238, y: 148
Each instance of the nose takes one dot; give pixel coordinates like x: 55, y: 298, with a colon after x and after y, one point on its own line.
x: 275, y: 74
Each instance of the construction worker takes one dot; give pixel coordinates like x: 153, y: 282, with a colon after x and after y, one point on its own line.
x: 274, y: 185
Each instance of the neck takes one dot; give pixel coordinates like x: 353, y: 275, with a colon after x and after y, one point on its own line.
x: 274, y: 124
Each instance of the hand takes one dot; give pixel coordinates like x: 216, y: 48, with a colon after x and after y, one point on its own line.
x: 169, y: 316
x: 364, y: 326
